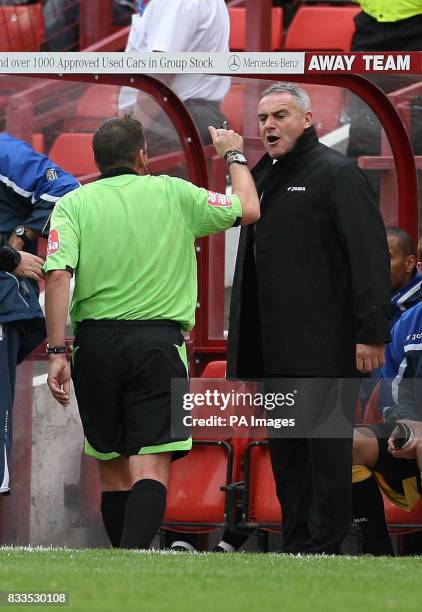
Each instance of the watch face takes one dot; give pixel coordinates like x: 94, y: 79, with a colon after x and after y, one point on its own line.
x: 20, y: 230
x: 239, y: 158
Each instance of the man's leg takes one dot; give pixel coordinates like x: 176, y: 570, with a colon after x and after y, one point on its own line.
x: 10, y: 340
x: 292, y: 475
x: 368, y: 505
x: 147, y: 502
x: 327, y: 410
x: 116, y: 487
x: 331, y: 511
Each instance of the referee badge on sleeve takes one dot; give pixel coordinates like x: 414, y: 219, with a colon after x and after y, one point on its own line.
x: 53, y: 242
x: 218, y: 199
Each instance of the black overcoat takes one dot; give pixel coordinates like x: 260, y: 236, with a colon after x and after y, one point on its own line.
x: 312, y: 277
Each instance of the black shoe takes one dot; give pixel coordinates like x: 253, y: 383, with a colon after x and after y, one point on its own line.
x: 182, y: 547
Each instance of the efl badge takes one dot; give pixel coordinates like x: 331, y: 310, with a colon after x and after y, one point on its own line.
x: 218, y: 199
x: 51, y: 174
x: 53, y: 242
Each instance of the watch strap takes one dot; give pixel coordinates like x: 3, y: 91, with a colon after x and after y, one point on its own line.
x: 55, y: 350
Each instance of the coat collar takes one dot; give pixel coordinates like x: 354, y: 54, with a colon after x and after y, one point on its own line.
x: 307, y: 141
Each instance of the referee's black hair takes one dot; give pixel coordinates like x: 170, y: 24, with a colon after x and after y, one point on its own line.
x: 405, y: 241
x: 117, y: 141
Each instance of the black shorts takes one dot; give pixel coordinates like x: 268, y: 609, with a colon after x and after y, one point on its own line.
x: 400, y: 479
x: 122, y: 373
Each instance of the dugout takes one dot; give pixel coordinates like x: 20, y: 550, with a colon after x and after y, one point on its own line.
x: 53, y: 499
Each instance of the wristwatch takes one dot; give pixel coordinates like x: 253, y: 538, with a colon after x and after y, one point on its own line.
x: 55, y: 350
x: 19, y: 231
x: 234, y: 156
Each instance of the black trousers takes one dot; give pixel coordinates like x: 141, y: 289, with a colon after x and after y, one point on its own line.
x: 313, y: 470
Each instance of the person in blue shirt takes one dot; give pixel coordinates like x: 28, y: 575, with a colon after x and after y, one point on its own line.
x: 30, y: 185
x: 375, y: 464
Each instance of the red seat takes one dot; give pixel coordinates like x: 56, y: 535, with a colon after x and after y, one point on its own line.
x: 73, y: 153
x: 233, y: 106
x: 215, y: 369
x: 327, y: 106
x: 401, y: 522
x: 21, y: 27
x: 263, y: 507
x: 238, y: 28
x: 98, y: 102
x: 197, y: 499
x: 322, y: 27
x: 371, y: 413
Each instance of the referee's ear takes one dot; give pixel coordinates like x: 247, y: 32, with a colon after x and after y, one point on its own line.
x: 142, y: 163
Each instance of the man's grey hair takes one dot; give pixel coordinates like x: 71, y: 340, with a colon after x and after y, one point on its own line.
x: 298, y: 94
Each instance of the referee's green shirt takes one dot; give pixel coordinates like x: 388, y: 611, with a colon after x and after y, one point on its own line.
x: 391, y: 10
x: 130, y: 240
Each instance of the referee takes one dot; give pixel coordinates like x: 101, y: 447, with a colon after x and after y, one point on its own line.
x: 129, y: 240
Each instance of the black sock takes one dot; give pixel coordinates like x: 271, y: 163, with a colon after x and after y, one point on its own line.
x: 368, y: 512
x: 144, y: 513
x: 113, y: 506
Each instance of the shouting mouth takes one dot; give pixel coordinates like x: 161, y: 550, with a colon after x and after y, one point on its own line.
x: 272, y: 139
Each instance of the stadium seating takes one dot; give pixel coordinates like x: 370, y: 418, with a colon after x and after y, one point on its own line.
x: 200, y: 497
x: 237, y: 40
x: 21, y: 27
x: 371, y: 413
x: 233, y: 106
x: 97, y: 103
x: 263, y: 508
x: 327, y: 107
x: 73, y: 152
x: 401, y: 522
x: 196, y: 499
x: 321, y: 27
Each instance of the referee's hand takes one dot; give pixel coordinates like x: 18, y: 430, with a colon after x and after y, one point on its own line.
x: 59, y: 378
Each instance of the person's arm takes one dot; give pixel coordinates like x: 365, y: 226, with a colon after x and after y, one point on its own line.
x: 56, y: 307
x: 39, y: 180
x: 362, y: 231
x: 242, y: 182
x: 62, y: 260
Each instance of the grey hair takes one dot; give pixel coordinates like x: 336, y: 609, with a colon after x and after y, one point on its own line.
x: 298, y: 94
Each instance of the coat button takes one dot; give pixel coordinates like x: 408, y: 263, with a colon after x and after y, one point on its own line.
x: 374, y: 308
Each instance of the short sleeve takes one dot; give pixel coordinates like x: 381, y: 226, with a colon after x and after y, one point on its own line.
x: 64, y: 237
x: 205, y: 212
x: 172, y: 30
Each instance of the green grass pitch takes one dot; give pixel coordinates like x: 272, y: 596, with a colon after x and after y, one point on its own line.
x: 113, y: 580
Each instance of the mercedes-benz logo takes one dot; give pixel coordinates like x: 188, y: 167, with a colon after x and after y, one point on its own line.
x: 234, y: 63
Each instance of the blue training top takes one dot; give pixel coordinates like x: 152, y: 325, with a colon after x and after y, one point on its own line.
x: 30, y: 185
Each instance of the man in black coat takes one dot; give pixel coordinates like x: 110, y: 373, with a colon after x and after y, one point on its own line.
x: 310, y: 301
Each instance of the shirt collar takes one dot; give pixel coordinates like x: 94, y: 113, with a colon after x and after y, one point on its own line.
x: 117, y: 172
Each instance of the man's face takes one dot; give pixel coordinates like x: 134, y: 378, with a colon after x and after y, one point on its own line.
x: 281, y: 123
x: 401, y: 265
